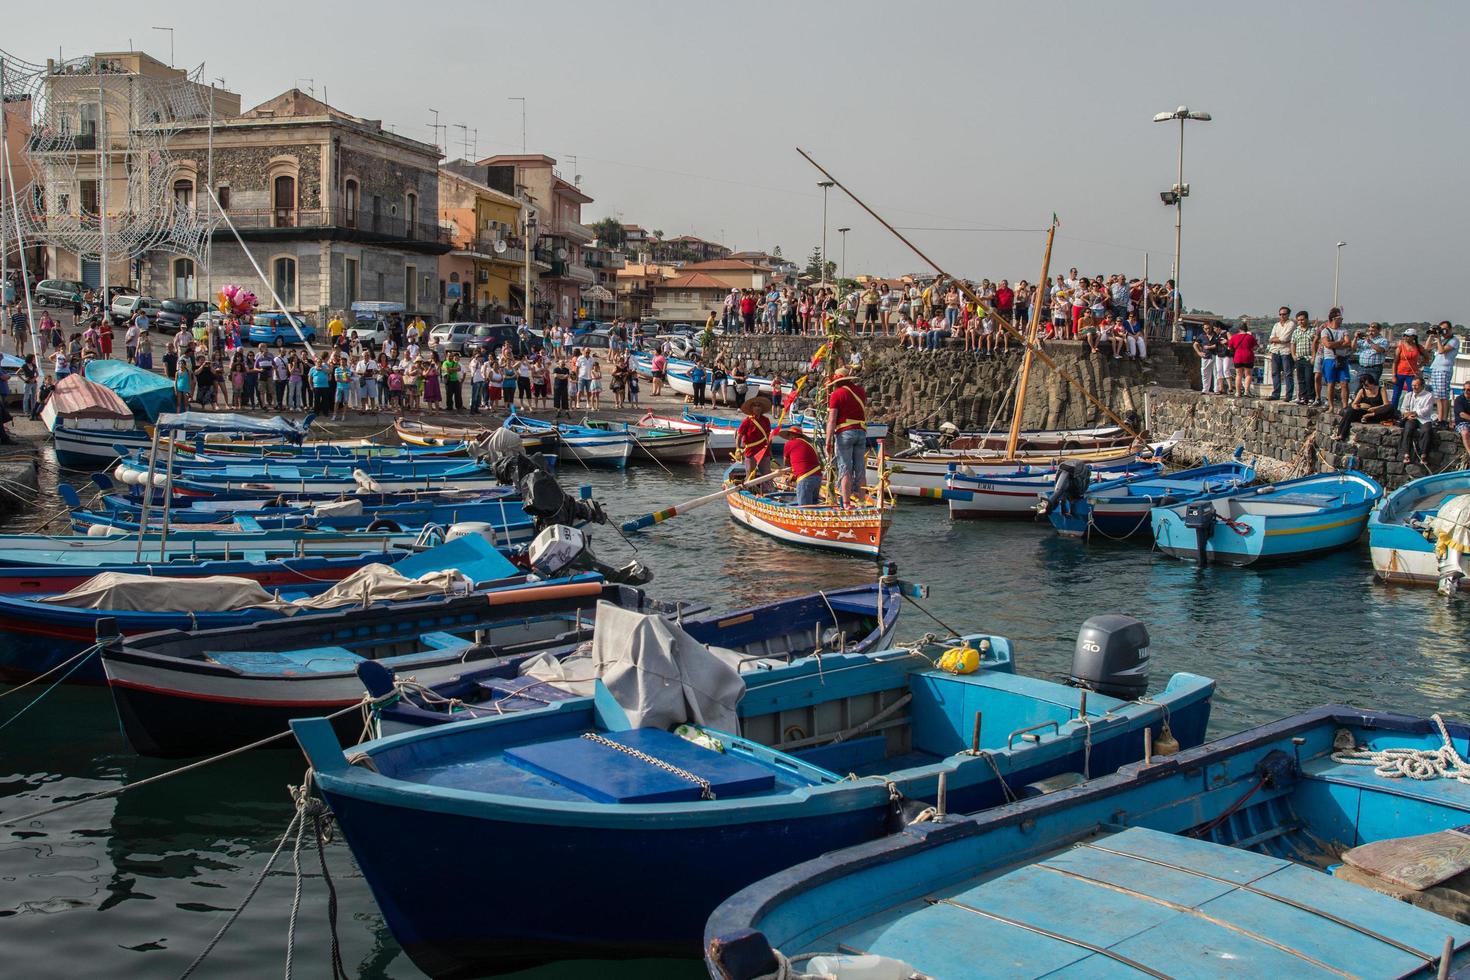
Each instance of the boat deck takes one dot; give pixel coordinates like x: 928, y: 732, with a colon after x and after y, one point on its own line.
x: 1148, y: 903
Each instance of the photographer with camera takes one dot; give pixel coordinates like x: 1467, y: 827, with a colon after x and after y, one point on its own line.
x: 1372, y: 348
x: 1445, y: 346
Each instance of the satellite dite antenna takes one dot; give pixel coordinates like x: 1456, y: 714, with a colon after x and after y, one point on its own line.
x: 500, y: 246
x: 561, y: 254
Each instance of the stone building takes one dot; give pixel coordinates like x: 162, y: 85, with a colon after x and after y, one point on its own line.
x: 333, y: 207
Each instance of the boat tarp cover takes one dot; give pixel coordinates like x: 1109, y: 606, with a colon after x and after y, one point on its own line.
x: 146, y: 393
x: 338, y: 508
x: 125, y: 591
x: 1452, y: 523
x: 77, y: 398
x: 230, y: 422
x: 659, y: 674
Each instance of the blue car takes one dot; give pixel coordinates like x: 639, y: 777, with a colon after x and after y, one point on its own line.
x: 275, y: 329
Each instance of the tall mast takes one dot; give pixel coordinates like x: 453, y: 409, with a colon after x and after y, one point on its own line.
x: 1015, y: 435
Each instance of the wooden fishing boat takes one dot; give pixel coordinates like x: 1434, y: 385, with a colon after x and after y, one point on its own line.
x: 1286, y: 521
x: 1404, y: 531
x: 836, y: 623
x: 676, y: 376
x: 975, y: 495
x: 1119, y: 508
x: 312, y: 479
x: 579, y: 443
x: 719, y: 439
x: 202, y: 692
x: 659, y: 445
x: 44, y: 630
x: 574, y: 785
x: 1034, y: 440
x: 855, y: 530
x: 413, y: 432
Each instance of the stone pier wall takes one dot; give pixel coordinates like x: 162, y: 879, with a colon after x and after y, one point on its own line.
x: 1276, y: 434
x: 913, y: 389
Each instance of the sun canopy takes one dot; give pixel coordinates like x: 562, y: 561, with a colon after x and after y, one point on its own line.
x: 146, y: 393
x: 176, y: 422
x: 77, y: 398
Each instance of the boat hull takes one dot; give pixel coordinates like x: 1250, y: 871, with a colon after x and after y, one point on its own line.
x: 1402, y: 554
x: 855, y: 531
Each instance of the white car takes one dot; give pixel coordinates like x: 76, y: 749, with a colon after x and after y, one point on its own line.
x: 124, y: 306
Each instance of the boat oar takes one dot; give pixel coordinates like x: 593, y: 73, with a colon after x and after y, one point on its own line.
x: 659, y: 516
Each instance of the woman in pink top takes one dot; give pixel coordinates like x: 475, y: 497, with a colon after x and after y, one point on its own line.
x: 1243, y: 355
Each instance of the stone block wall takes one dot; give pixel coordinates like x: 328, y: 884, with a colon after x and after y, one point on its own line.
x: 1276, y: 435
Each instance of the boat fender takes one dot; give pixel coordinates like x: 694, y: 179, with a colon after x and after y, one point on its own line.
x: 1164, y: 742
x: 383, y: 524
x: 960, y: 660
x: 862, y: 966
x: 125, y: 474
x: 105, y: 531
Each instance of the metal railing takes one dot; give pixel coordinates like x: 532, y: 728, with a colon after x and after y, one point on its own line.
x: 387, y: 226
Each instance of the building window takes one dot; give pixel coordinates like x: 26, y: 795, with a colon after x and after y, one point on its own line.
x: 283, y: 196
x: 410, y: 214
x: 222, y: 193
x: 283, y: 280
x: 349, y: 280
x: 350, y: 194
x: 184, y: 278
x: 183, y: 194
x: 88, y: 190
x: 410, y: 287
x: 89, y: 115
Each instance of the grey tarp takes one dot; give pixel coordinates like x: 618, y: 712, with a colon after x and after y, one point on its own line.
x: 659, y: 674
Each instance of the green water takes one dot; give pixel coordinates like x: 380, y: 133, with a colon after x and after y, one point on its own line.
x: 136, y: 885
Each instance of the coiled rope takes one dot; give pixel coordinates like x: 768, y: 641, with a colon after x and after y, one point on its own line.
x: 1423, y: 764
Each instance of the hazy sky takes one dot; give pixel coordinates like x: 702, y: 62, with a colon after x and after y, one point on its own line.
x: 1333, y: 121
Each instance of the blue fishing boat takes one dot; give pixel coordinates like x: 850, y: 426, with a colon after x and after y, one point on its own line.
x: 835, y: 624
x: 44, y: 630
x: 1295, y: 849
x: 187, y: 692
x: 581, y: 443
x: 1405, y: 531
x: 1286, y: 521
x: 673, y: 825
x: 1119, y: 508
x: 1014, y: 493
x: 310, y: 479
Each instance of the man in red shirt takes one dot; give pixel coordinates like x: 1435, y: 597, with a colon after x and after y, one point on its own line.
x: 753, y: 438
x: 747, y: 311
x: 847, y: 432
x: 1005, y: 299
x: 806, y: 466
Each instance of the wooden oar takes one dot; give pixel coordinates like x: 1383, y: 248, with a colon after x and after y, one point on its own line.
x: 659, y: 516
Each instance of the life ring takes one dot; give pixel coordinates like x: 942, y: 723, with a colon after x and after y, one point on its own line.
x: 383, y: 524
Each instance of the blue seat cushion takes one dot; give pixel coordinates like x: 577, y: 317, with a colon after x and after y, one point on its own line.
x: 316, y: 660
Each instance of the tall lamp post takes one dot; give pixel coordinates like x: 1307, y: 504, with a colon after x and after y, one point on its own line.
x: 530, y: 233
x: 825, y: 185
x: 1178, y: 193
x: 1336, y: 270
x: 843, y: 232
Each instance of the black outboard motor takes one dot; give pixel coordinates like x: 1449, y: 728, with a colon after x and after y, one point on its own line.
x: 541, y: 496
x: 1112, y: 657
x: 1073, y: 478
x: 1201, y: 516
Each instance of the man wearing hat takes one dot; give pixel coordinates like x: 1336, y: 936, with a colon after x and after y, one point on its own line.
x: 805, y: 465
x: 847, y: 432
x: 753, y: 438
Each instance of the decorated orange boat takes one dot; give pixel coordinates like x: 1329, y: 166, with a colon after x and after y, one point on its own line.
x: 855, y: 530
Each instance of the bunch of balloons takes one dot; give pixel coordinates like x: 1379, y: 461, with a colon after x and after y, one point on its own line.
x: 237, y: 300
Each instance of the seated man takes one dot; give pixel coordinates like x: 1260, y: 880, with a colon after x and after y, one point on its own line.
x: 1368, y: 405
x: 1460, y: 415
x: 1418, y: 412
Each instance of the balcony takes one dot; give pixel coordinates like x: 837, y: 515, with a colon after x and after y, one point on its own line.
x: 576, y: 230
x: 340, y: 224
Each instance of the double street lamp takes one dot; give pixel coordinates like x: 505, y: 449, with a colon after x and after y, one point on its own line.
x: 843, y: 232
x: 1175, y: 196
x: 1336, y: 269
x: 825, y: 185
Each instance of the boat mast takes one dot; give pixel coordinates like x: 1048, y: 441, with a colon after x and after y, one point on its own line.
x: 1005, y: 322
x: 1015, y: 434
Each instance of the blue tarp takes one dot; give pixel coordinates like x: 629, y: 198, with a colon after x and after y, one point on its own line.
x: 146, y: 393
x: 177, y: 422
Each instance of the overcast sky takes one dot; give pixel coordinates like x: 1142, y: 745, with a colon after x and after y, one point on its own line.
x: 1332, y: 121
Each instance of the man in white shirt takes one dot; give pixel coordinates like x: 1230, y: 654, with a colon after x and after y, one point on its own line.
x: 1283, y: 358
x: 1418, y: 413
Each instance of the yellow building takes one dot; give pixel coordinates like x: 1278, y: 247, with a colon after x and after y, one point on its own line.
x: 486, y: 271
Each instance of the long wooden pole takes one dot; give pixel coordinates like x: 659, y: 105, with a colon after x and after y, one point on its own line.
x: 674, y: 510
x: 1015, y: 434
x: 970, y: 295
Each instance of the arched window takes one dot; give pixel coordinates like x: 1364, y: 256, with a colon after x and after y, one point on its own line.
x: 410, y: 214
x: 184, y: 278
x: 350, y: 195
x: 283, y: 201
x: 184, y: 194
x: 283, y: 280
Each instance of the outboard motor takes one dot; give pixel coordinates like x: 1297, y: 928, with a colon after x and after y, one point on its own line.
x: 541, y: 496
x: 1073, y: 478
x: 1201, y: 516
x: 561, y: 550
x: 1112, y: 657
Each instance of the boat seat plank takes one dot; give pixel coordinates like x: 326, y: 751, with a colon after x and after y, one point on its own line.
x: 247, y: 523
x: 608, y: 775
x: 442, y: 641
x: 256, y: 556
x: 522, y: 693
x: 313, y: 660
x: 1415, y: 862
x: 1448, y: 792
x: 1302, y: 498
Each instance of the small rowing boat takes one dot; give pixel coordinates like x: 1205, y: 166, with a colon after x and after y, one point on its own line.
x: 579, y: 443
x: 720, y: 440
x: 854, y: 530
x: 659, y: 445
x: 1406, y: 531
x: 1036, y: 440
x: 1119, y: 508
x: 416, y: 433
x: 975, y: 495
x: 1285, y: 521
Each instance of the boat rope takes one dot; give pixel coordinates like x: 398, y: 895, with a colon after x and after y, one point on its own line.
x: 79, y: 659
x: 915, y: 603
x: 1423, y: 764
x: 1092, y: 525
x: 40, y: 677
x: 148, y: 781
x: 706, y: 792
x: 1010, y: 794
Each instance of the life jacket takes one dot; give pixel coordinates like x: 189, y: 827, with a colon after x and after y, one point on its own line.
x: 854, y: 422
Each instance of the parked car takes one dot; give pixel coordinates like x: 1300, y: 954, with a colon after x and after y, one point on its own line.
x: 369, y: 320
x: 59, y: 292
x: 172, y: 313
x: 275, y: 329
x: 599, y: 339
x: 466, y: 338
x: 125, y: 305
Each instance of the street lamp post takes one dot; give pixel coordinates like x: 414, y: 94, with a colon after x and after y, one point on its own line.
x: 825, y: 185
x: 526, y: 301
x: 1178, y: 194
x: 1336, y: 269
x: 843, y: 232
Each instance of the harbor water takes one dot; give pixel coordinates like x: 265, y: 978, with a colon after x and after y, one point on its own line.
x: 136, y: 885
